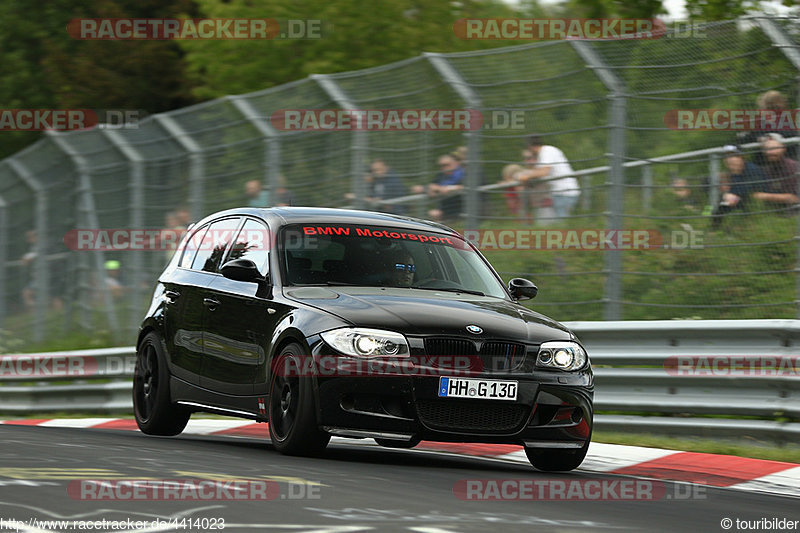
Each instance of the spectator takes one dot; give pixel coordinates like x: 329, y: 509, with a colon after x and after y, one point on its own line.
x: 55, y: 276
x: 770, y: 100
x: 552, y: 163
x: 448, y: 184
x: 742, y: 179
x: 111, y: 279
x: 28, y: 293
x: 687, y: 197
x: 382, y: 184
x: 183, y: 217
x: 541, y: 202
x: 258, y: 196
x: 512, y: 192
x: 780, y: 187
x: 460, y: 154
x: 283, y: 196
x: 172, y: 234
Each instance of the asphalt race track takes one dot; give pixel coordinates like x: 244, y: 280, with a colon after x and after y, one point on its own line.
x: 352, y: 488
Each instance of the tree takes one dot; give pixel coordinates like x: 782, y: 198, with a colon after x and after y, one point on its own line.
x: 356, y: 35
x: 641, y: 9
x: 720, y: 9
x: 46, y: 68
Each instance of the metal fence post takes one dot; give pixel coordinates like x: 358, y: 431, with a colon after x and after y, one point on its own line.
x: 136, y: 165
x: 359, y: 144
x: 586, y: 192
x: 3, y: 247
x: 85, y: 186
x: 272, y: 153
x: 616, y: 184
x: 713, y: 180
x: 790, y: 50
x: 616, y: 207
x: 797, y: 266
x: 647, y: 187
x: 40, y: 270
x: 473, y: 101
x: 197, y: 161
x: 420, y: 209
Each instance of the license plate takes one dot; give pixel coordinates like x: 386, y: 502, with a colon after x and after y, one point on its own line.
x: 479, y: 389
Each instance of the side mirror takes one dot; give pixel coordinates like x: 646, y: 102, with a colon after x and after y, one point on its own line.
x: 241, y: 270
x: 522, y: 289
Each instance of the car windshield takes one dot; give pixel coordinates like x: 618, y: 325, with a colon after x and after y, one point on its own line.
x: 334, y: 254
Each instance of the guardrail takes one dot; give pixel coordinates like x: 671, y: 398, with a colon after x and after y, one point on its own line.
x: 697, y: 377
x: 670, y: 377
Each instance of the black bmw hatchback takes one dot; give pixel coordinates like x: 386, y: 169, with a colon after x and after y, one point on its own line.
x: 332, y: 322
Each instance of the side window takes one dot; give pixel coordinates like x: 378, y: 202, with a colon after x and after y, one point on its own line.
x: 216, y: 240
x: 253, y: 243
x: 190, y: 246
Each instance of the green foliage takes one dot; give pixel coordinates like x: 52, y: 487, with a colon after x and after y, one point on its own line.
x: 642, y: 9
x: 357, y: 35
x: 43, y: 67
x: 720, y: 9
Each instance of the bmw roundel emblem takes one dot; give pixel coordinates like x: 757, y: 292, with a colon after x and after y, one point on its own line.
x: 472, y: 328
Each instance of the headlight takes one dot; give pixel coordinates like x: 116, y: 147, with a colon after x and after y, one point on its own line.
x: 563, y: 355
x: 365, y: 342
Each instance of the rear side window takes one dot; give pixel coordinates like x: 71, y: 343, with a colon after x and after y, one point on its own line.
x: 252, y: 243
x: 190, y: 246
x: 216, y: 240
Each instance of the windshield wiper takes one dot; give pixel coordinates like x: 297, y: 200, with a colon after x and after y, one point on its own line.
x: 328, y: 283
x: 451, y: 289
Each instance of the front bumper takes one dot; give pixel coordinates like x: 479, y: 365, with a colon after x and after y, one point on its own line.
x: 553, y: 409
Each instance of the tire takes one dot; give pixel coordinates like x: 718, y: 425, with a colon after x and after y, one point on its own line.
x: 152, y: 406
x: 405, y: 444
x: 292, y: 412
x: 556, y: 460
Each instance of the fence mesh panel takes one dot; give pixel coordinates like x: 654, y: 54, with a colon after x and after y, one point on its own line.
x: 605, y: 104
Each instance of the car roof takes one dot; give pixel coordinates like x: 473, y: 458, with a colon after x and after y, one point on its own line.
x: 282, y: 216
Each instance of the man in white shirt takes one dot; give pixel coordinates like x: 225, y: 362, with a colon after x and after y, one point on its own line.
x: 551, y: 163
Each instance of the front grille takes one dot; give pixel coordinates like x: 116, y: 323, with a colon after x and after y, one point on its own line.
x: 450, y: 347
x: 501, y: 356
x: 471, y: 415
x: 494, y: 356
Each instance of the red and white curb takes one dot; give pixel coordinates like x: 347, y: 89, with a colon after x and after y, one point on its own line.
x: 740, y: 473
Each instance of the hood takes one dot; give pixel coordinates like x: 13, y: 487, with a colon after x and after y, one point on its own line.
x: 430, y: 312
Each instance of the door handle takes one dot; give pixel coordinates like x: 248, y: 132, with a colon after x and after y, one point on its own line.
x: 211, y: 303
x: 172, y: 296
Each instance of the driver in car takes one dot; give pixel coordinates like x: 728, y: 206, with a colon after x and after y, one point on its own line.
x: 404, y: 270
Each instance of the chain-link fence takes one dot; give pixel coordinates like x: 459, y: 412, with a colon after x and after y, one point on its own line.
x: 603, y: 103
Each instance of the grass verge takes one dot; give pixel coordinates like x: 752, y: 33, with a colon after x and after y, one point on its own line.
x: 760, y: 450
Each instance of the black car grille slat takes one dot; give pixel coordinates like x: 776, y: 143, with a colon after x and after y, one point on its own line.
x: 450, y: 347
x: 471, y: 415
x: 501, y: 356
x: 494, y: 356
